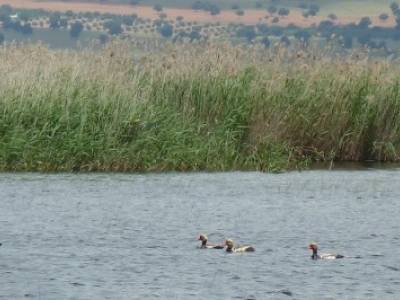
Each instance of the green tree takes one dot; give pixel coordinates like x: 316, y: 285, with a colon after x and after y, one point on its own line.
x: 332, y: 17
x: 303, y: 36
x: 348, y: 41
x: 103, y: 38
x: 214, y: 10
x: 272, y: 9
x: 24, y: 15
x: 6, y: 9
x: 26, y: 29
x: 284, y: 41
x: 128, y: 20
x: 76, y: 29
x: 54, y: 21
x: 266, y: 42
x: 166, y: 30
x: 246, y: 31
x: 364, y: 23
x: 283, y: 11
x: 113, y: 27
x: 395, y: 8
x: 383, y: 16
x: 158, y: 7
x: 63, y: 23
x: 240, y: 12
x: 69, y: 13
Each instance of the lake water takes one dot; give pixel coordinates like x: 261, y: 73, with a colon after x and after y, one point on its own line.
x: 114, y: 236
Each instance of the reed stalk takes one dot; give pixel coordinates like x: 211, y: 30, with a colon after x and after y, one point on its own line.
x: 193, y: 108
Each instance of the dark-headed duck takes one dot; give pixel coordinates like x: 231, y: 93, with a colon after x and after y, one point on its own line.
x: 314, y: 248
x: 230, y: 247
x: 205, y: 245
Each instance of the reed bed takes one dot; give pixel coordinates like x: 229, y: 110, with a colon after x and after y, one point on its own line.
x: 193, y: 108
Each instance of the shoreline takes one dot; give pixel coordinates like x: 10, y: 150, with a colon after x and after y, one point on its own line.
x: 251, y: 16
x: 315, y: 166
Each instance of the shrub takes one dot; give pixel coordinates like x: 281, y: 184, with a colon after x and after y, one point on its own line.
x: 272, y: 9
x: 364, y: 22
x: 54, y: 21
x: 103, y: 38
x: 395, y: 8
x: 303, y: 36
x: 275, y: 20
x: 285, y: 41
x: 76, y: 29
x: 266, y: 42
x: 26, y: 29
x: 128, y: 20
x: 158, y: 7
x: 6, y: 9
x: 348, y: 41
x: 383, y: 16
x: 332, y: 17
x: 166, y: 30
x: 246, y: 31
x: 283, y: 11
x: 114, y: 27
x: 214, y: 10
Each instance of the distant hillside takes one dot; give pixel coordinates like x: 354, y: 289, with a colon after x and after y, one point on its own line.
x: 223, y: 4
x: 355, y: 24
x: 346, y: 8
x: 304, y: 13
x: 246, y: 4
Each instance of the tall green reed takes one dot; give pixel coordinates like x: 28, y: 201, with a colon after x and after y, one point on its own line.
x: 192, y: 108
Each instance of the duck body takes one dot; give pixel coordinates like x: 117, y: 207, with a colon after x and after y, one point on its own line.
x: 205, y: 245
x: 230, y: 248
x: 326, y: 256
x: 212, y: 247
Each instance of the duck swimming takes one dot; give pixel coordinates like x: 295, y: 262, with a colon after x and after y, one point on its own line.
x: 205, y: 245
x: 230, y: 247
x: 315, y: 255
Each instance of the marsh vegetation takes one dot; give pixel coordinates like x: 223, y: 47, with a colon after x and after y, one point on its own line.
x: 194, y: 107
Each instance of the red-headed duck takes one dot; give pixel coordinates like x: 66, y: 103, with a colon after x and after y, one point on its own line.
x: 314, y: 248
x: 230, y: 247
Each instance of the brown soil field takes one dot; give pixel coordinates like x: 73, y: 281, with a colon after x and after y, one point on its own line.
x: 250, y: 17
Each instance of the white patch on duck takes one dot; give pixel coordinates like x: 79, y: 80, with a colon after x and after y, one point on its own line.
x: 230, y: 247
x: 205, y: 245
x: 327, y: 256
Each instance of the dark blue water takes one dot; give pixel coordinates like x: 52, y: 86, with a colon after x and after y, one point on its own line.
x: 110, y: 236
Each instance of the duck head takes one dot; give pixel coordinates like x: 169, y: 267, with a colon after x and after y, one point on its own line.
x: 229, y: 245
x: 203, y: 238
x: 314, y: 248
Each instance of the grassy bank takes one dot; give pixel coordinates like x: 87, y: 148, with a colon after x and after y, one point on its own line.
x: 193, y: 108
